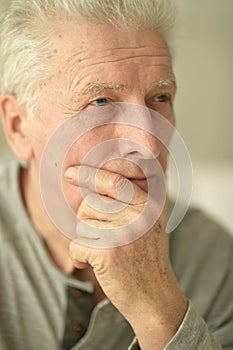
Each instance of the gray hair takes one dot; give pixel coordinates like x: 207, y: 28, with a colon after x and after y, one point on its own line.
x: 25, y: 34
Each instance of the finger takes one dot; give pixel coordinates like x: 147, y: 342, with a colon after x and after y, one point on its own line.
x: 107, y: 183
x: 79, y: 255
x: 102, y: 234
x: 103, y: 208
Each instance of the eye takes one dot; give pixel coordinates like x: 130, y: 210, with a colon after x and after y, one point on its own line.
x: 99, y: 102
x: 162, y: 98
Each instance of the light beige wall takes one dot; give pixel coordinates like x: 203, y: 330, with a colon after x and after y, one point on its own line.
x: 204, y: 69
x: 204, y: 104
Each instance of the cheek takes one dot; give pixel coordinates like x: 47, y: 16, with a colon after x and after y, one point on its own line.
x: 85, y: 144
x: 78, y: 151
x: 39, y: 142
x: 74, y: 157
x: 163, y: 158
x: 72, y: 195
x: 40, y: 134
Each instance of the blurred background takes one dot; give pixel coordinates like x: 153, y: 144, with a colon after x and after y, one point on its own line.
x: 204, y: 104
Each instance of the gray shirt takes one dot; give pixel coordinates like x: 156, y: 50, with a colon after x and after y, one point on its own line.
x: 42, y: 308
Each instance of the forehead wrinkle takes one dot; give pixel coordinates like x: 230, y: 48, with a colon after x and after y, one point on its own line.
x: 70, y: 64
x: 101, y: 56
x: 123, y: 59
x: 105, y: 52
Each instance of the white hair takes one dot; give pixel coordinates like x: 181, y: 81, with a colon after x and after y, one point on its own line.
x: 25, y: 34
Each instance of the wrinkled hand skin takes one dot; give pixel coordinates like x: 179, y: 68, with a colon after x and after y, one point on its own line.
x: 137, y: 278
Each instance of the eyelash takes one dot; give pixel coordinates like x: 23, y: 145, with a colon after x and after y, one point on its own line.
x: 168, y: 98
x: 104, y: 100
x: 99, y: 99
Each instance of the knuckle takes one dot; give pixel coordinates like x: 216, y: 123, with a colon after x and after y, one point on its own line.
x: 86, y: 176
x: 82, y: 211
x: 114, y: 180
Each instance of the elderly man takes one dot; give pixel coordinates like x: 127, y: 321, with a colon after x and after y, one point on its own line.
x: 59, y: 59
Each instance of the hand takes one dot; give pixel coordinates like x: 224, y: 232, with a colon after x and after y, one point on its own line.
x: 137, y: 277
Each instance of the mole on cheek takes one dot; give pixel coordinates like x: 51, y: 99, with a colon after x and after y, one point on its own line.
x: 55, y: 51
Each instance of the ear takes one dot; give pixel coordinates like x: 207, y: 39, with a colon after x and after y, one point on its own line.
x: 16, y: 125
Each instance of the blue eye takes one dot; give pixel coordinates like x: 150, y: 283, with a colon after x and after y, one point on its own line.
x: 162, y: 98
x: 100, y: 102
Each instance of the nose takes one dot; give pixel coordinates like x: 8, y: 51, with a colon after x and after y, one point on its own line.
x: 134, y: 143
x: 136, y: 126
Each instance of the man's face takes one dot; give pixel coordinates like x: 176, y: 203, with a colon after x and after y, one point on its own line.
x: 95, y: 65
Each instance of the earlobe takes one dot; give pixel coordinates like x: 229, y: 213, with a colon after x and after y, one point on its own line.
x: 16, y: 127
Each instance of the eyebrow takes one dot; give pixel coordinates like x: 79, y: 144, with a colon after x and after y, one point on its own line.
x: 98, y: 86
x: 170, y: 81
x: 101, y: 86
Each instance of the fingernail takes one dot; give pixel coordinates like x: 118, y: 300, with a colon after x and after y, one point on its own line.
x: 71, y: 174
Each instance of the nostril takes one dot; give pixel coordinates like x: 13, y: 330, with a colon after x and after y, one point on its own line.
x: 134, y: 153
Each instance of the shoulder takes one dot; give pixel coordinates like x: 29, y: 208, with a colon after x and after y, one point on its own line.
x: 8, y: 175
x: 198, y: 235
x: 201, y: 255
x: 9, y: 187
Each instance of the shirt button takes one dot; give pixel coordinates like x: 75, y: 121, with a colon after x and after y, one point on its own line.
x: 77, y: 327
x: 77, y: 293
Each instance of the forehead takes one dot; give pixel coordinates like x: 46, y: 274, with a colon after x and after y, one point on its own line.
x: 85, y: 40
x: 87, y: 52
x: 84, y: 34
